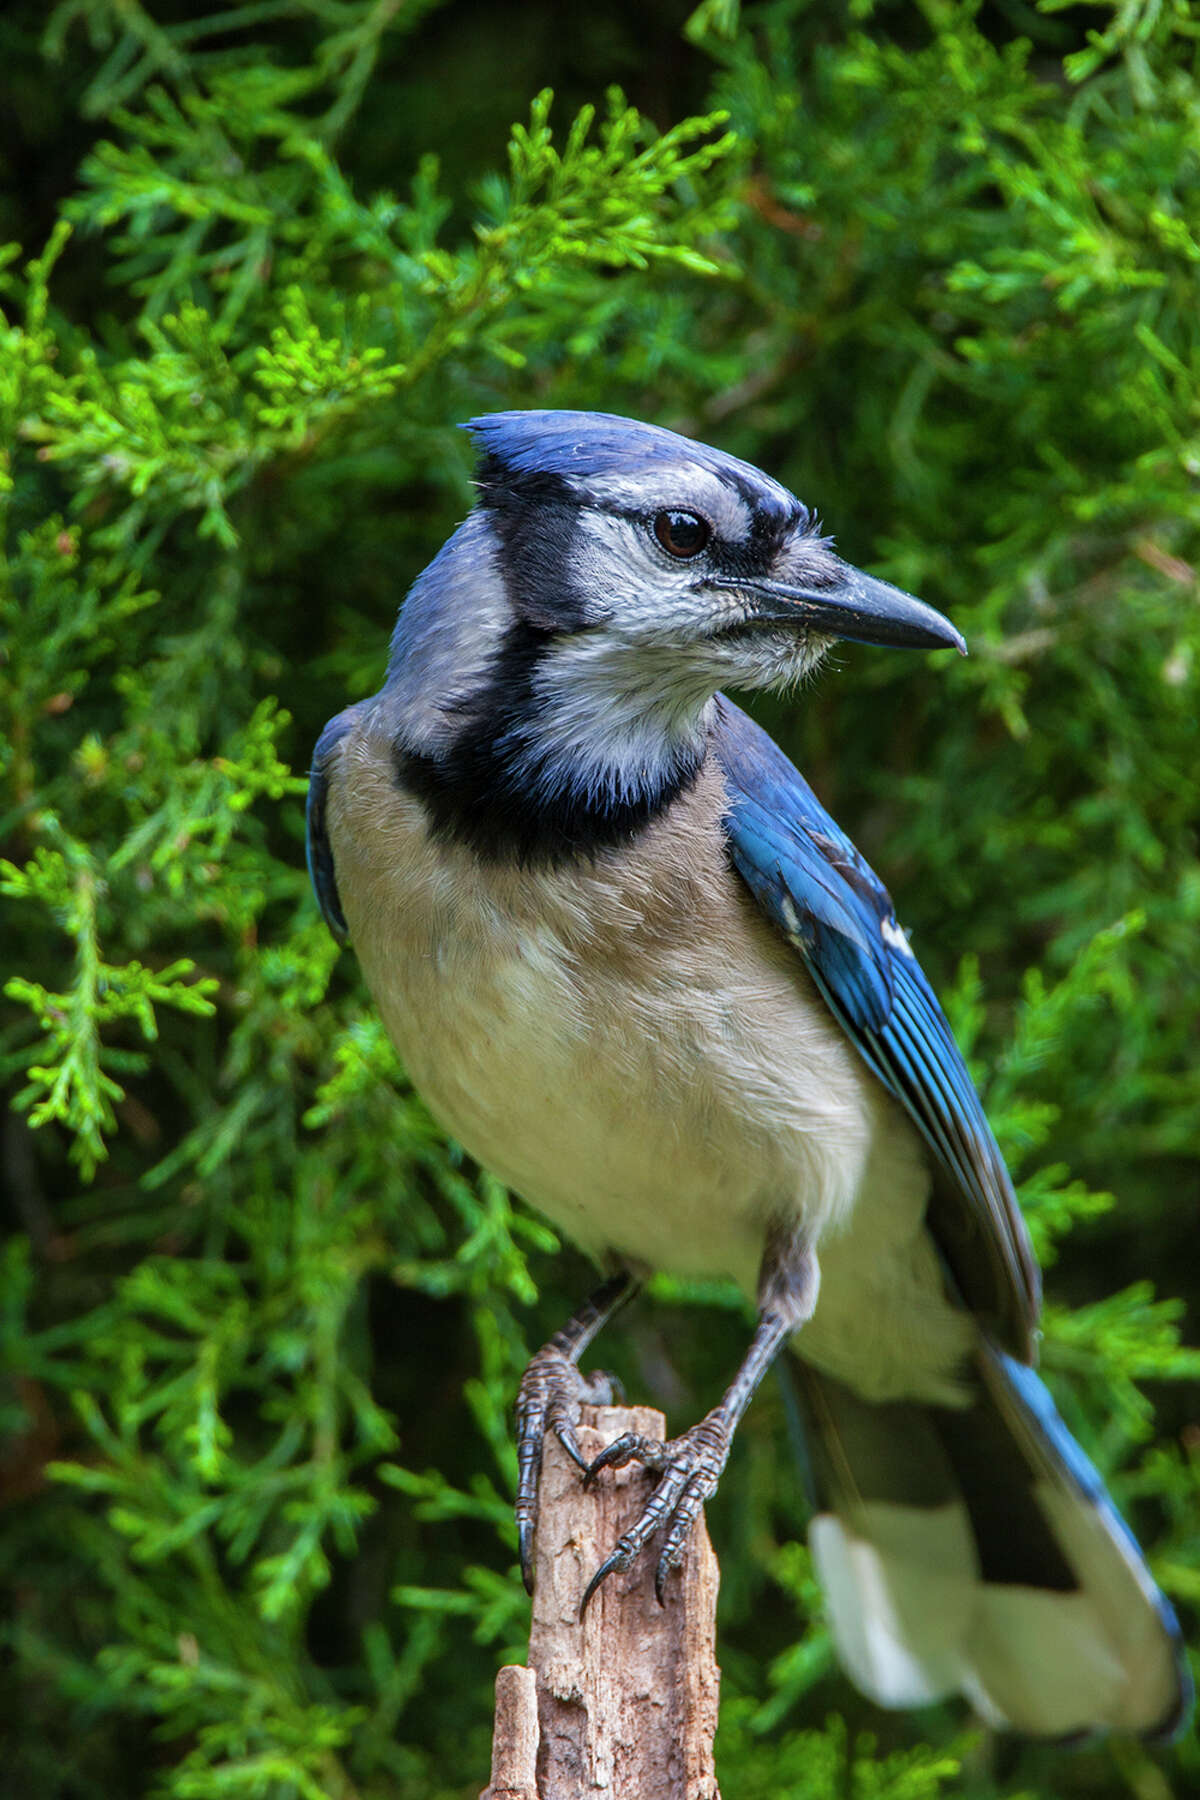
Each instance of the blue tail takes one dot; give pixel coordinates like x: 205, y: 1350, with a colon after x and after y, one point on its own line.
x: 976, y: 1551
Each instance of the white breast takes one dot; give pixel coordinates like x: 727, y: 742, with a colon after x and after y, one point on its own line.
x: 629, y: 1045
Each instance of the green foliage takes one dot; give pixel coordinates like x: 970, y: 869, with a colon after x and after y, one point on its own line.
x: 261, y: 1325
x: 820, y: 1765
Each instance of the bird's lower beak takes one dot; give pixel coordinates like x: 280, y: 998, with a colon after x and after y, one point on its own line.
x: 845, y: 603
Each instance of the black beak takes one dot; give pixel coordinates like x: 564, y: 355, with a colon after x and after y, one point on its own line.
x: 842, y: 602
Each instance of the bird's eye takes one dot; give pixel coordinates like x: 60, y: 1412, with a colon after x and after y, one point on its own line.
x: 682, y: 534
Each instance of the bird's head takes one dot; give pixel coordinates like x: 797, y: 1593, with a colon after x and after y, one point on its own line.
x: 612, y: 577
x: 611, y: 527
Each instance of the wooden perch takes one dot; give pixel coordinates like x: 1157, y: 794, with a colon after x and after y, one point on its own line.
x: 624, y: 1704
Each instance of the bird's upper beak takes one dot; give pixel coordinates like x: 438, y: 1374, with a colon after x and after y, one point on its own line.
x: 838, y: 600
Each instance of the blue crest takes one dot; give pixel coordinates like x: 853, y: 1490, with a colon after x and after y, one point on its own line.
x: 578, y: 447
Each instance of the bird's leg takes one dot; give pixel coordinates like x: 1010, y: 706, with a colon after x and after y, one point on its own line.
x: 690, y: 1466
x: 551, y: 1392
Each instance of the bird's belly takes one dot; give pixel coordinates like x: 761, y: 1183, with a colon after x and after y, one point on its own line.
x: 617, y: 1133
x: 663, y: 1108
x: 650, y: 1139
x: 636, y: 1052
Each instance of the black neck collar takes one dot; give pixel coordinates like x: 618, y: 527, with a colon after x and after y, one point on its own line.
x: 481, y: 791
x: 472, y: 798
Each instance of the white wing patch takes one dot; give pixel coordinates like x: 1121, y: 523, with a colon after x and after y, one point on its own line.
x: 895, y: 937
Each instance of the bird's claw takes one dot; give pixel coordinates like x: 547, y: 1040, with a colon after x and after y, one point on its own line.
x: 689, y: 1468
x: 551, y: 1393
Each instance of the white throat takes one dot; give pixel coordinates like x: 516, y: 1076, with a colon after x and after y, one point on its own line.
x: 613, y: 718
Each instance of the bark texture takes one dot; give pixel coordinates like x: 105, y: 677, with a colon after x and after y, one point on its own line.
x: 624, y: 1704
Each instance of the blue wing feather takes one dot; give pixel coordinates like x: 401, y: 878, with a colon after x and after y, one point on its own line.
x: 812, y: 883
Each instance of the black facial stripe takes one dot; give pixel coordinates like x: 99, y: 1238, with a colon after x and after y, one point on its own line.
x: 771, y: 517
x: 502, y: 488
x: 533, y: 543
x: 742, y: 558
x: 481, y: 792
x: 509, y: 495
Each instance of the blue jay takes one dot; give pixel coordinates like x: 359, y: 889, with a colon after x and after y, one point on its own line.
x: 638, y: 972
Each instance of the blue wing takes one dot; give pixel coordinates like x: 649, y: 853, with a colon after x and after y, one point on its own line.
x: 812, y: 883
x: 320, y: 851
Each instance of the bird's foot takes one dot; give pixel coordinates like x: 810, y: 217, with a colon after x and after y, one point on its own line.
x: 551, y: 1392
x: 689, y: 1468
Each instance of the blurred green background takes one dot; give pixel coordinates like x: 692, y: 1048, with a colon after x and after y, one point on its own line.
x: 934, y: 265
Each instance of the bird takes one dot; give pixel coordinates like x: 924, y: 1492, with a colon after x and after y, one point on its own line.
x: 638, y: 972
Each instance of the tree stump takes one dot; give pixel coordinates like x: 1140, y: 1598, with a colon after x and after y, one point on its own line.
x: 624, y: 1703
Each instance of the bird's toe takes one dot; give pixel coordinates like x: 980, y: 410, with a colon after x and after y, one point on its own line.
x: 548, y: 1400
x: 689, y: 1468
